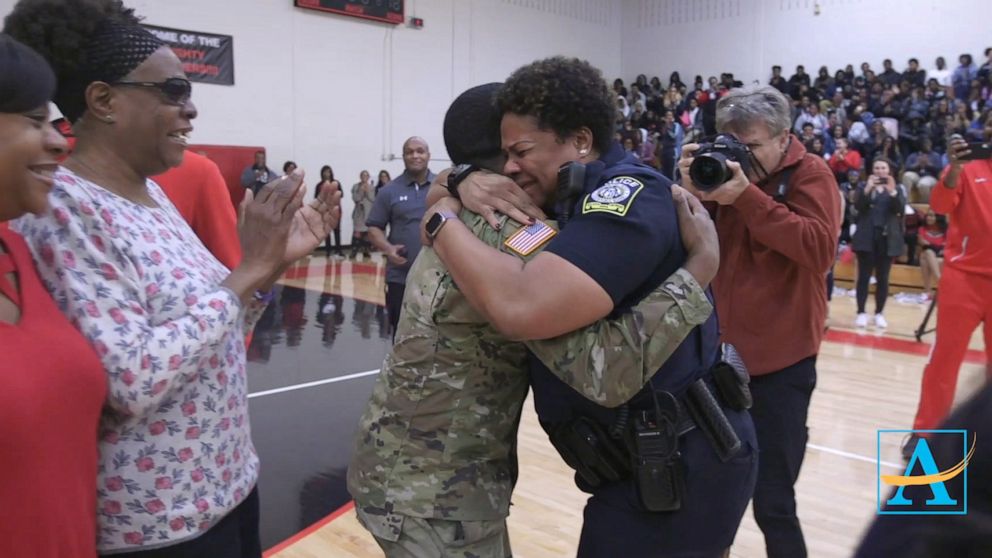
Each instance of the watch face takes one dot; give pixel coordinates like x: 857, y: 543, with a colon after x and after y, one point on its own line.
x: 434, y: 223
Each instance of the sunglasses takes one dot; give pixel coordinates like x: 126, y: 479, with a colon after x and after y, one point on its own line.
x: 177, y: 90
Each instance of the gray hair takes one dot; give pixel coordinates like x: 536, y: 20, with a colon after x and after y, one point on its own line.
x: 745, y: 106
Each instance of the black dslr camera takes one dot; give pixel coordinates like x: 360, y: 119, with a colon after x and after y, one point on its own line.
x: 709, y: 164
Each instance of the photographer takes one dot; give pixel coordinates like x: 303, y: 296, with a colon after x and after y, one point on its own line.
x: 778, y: 221
x: 964, y: 194
x: 878, y: 237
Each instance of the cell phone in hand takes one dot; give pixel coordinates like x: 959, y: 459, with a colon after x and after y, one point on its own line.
x: 979, y: 150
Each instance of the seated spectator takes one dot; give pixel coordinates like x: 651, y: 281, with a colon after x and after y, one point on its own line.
x: 638, y: 112
x: 914, y: 74
x: 807, y: 134
x: 922, y: 171
x: 889, y: 76
x: 911, y: 223
x: 777, y: 81
x: 844, y: 160
x: 815, y: 146
x: 830, y: 139
x: 931, y: 238
x: 859, y: 136
x: 823, y: 79
x: 889, y: 150
x: 797, y: 79
x: 813, y: 116
x: 619, y: 88
x: 941, y: 73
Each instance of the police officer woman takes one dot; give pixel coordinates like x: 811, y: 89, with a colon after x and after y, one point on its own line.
x: 670, y: 472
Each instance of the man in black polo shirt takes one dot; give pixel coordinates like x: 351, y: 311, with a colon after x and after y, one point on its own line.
x: 401, y: 205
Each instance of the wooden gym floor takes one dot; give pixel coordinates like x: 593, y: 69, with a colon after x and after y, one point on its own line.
x: 311, y: 378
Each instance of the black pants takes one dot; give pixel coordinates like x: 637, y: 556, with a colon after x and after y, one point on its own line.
x: 337, y: 242
x: 781, y: 403
x: 236, y: 536
x: 394, y: 303
x: 879, y: 261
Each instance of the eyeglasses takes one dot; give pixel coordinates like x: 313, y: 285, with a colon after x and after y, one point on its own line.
x: 177, y: 90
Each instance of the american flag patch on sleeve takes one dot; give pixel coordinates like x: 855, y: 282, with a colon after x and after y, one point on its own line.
x: 528, y: 239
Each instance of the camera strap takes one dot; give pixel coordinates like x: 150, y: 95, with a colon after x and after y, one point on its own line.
x: 783, y: 184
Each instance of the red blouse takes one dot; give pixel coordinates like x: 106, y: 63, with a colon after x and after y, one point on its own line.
x: 52, y: 387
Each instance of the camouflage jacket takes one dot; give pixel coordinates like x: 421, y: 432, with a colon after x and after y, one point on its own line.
x: 437, y: 438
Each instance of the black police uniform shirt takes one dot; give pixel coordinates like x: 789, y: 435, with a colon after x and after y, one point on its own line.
x: 624, y: 234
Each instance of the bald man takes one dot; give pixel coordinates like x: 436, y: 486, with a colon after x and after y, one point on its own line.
x: 401, y: 205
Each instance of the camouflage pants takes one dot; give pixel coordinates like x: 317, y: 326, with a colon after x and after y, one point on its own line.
x: 441, y: 538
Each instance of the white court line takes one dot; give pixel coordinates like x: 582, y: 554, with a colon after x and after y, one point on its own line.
x: 855, y: 456
x: 376, y: 371
x: 313, y: 384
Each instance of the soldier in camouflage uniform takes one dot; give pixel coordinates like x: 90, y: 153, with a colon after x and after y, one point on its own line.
x: 435, y: 465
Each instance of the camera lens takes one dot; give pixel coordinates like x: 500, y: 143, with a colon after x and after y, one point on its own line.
x: 709, y: 170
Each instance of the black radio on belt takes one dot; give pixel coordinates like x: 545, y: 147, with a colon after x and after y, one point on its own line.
x: 658, y: 470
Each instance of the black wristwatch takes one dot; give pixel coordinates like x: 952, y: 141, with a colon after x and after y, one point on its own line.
x: 458, y: 174
x: 437, y: 221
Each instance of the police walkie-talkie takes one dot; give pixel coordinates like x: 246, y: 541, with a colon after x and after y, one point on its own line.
x: 571, y: 183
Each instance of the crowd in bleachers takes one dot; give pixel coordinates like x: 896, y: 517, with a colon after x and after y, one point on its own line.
x: 849, y: 118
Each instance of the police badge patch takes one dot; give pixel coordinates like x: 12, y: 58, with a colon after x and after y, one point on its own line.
x: 613, y: 197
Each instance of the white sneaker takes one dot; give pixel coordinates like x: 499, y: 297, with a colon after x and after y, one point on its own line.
x: 880, y: 322
x: 861, y: 321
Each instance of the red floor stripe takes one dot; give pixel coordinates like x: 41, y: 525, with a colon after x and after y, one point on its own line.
x: 309, y: 530
x: 895, y: 345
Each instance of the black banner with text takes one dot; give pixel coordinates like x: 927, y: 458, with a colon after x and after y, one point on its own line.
x: 206, y: 57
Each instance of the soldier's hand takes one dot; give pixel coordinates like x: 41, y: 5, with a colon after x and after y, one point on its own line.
x: 446, y: 203
x: 486, y: 193
x: 698, y: 235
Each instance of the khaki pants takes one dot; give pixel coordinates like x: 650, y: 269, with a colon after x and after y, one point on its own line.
x: 420, y: 537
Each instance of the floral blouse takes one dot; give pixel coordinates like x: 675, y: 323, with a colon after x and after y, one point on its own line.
x: 175, y: 445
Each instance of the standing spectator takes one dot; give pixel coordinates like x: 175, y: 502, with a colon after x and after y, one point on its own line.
x: 656, y: 88
x: 258, y: 174
x: 400, y: 206
x: 965, y: 288
x: 914, y: 74
x: 669, y: 146
x: 889, y: 76
x: 823, y: 79
x: 798, y: 79
x: 619, y: 88
x: 878, y: 237
x: 778, y: 253
x: 844, y: 160
x: 382, y: 180
x: 199, y: 192
x: 364, y: 196
x: 327, y: 180
x: 166, y: 319
x: 922, y: 171
x: 53, y: 382
x: 962, y: 77
x: 931, y: 238
x: 676, y: 81
x: 941, y: 73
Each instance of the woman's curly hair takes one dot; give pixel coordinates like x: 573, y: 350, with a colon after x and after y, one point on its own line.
x: 564, y: 94
x: 61, y: 30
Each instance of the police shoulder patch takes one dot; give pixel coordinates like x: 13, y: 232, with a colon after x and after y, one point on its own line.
x: 613, y: 197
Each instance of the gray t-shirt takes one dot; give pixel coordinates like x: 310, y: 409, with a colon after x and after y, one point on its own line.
x: 401, y: 204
